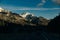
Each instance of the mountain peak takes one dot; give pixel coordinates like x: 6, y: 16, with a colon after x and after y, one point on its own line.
x: 26, y: 14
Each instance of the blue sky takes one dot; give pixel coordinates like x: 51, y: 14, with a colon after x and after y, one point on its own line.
x: 46, y: 8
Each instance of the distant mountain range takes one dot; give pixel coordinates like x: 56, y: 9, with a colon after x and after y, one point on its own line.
x: 26, y: 21
x: 24, y: 18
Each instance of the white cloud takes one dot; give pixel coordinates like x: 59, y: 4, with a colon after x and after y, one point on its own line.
x: 56, y: 1
x: 42, y: 3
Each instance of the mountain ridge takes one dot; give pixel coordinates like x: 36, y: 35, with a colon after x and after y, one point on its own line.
x: 25, y: 18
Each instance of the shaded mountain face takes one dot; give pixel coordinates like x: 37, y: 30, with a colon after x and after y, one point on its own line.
x: 54, y: 24
x: 43, y: 21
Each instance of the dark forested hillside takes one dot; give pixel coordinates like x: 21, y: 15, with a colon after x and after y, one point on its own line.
x: 54, y: 24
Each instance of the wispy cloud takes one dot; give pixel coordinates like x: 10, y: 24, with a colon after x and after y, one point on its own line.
x: 39, y: 9
x: 56, y: 1
x: 26, y: 8
x: 42, y: 3
x: 34, y: 8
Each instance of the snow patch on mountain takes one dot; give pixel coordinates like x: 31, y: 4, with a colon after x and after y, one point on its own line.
x: 25, y: 14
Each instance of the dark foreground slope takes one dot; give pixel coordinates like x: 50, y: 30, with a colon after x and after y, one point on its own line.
x: 11, y: 31
x: 54, y: 25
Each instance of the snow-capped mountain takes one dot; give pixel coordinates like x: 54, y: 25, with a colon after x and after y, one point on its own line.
x: 28, y: 16
x: 25, y: 17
